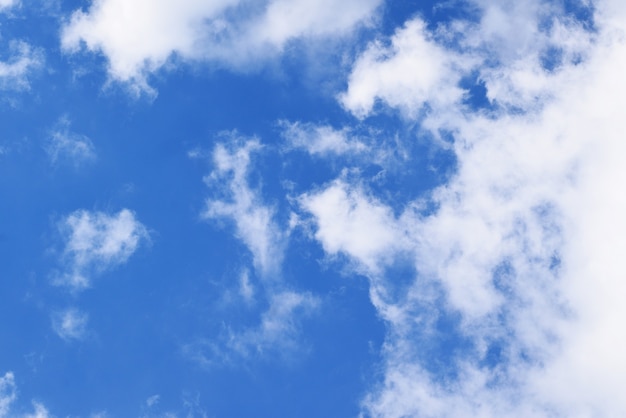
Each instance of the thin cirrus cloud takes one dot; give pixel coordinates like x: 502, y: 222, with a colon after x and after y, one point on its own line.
x: 277, y: 334
x: 521, y: 246
x: 63, y: 145
x: 140, y: 37
x: 236, y: 200
x: 321, y: 140
x: 95, y: 242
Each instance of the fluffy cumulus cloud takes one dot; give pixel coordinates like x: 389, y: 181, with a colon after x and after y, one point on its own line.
x: 140, y: 37
x: 513, y: 309
x: 97, y: 241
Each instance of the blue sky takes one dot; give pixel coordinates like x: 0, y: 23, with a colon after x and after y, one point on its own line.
x: 296, y: 208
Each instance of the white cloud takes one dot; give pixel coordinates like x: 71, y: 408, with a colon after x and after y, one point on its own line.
x: 504, y: 51
x: 236, y: 199
x: 246, y: 289
x: 276, y: 335
x: 321, y: 140
x: 8, y: 396
x: 522, y: 244
x: 22, y: 61
x: 97, y: 241
x: 350, y: 222
x: 40, y: 411
x: 66, y: 145
x: 278, y: 328
x: 5, y: 4
x: 70, y: 324
x: 243, y: 205
x: 140, y: 37
x: 7, y: 393
x: 413, y: 70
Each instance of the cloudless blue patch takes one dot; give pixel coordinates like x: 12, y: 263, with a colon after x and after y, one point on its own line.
x: 475, y: 97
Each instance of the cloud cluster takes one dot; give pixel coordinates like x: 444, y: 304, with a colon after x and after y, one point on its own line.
x: 97, y: 241
x: 235, y: 198
x: 140, y: 37
x: 512, y: 309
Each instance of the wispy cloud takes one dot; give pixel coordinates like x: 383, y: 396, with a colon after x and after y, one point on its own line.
x: 70, y: 324
x: 7, y: 393
x: 277, y: 334
x: 321, y: 140
x: 95, y: 242
x: 238, y: 201
x: 64, y: 145
x: 8, y: 396
x: 21, y: 63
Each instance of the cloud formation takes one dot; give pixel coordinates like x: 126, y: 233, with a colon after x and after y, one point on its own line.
x: 23, y: 60
x: 141, y: 37
x: 70, y: 324
x: 5, y: 4
x: 517, y: 254
x: 64, y: 145
x: 7, y: 393
x: 238, y: 201
x: 97, y: 241
x: 321, y: 140
x: 8, y: 396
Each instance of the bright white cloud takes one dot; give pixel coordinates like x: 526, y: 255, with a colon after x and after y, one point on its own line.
x: 66, y: 145
x: 521, y: 245
x: 70, y: 324
x: 235, y: 199
x: 21, y: 63
x: 350, y: 222
x: 97, y: 241
x: 421, y: 67
x: 413, y: 70
x: 140, y: 37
